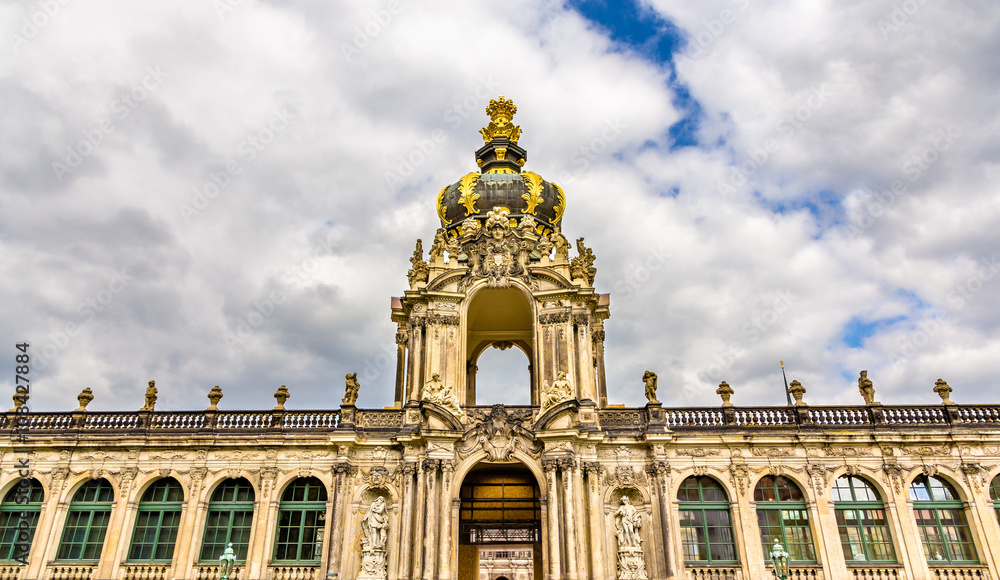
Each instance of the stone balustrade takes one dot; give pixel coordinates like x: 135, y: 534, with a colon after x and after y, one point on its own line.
x: 145, y: 572
x: 293, y: 572
x: 71, y: 571
x: 960, y: 573
x: 877, y: 572
x: 619, y: 420
x: 714, y: 573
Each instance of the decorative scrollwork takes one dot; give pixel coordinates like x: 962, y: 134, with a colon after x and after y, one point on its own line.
x: 468, y: 197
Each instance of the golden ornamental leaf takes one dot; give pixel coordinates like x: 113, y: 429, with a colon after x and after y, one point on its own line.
x: 560, y: 205
x: 533, y: 181
x: 442, y: 210
x: 468, y: 197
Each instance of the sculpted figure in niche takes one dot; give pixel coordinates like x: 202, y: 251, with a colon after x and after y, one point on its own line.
x: 559, y: 391
x: 867, y: 388
x: 561, y: 244
x: 649, y: 378
x: 628, y: 522
x: 375, y: 523
x: 438, y: 393
x: 351, y: 390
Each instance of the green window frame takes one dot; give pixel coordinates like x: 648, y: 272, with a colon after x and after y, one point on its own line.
x: 944, y: 530
x: 995, y: 495
x: 706, y: 522
x: 861, y: 521
x: 229, y: 519
x: 301, y: 522
x: 87, y: 522
x: 157, y: 522
x: 782, y: 514
x: 10, y: 517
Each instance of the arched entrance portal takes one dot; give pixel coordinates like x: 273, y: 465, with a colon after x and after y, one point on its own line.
x: 499, y: 317
x: 500, y: 524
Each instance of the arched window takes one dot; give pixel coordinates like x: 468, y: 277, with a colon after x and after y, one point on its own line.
x: 782, y: 514
x: 944, y: 530
x: 864, y: 534
x: 995, y: 495
x: 87, y: 522
x: 230, y: 515
x: 157, y: 522
x: 706, y: 526
x: 301, y: 519
x: 12, y: 547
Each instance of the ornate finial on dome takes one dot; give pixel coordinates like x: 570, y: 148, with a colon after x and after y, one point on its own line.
x: 501, y: 111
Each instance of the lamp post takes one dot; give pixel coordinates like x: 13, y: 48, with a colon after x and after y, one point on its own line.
x: 779, y: 559
x: 226, y: 562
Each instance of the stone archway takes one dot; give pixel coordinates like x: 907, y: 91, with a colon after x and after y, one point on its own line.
x: 500, y: 317
x: 500, y: 523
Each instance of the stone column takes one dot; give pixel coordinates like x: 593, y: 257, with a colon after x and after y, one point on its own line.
x: 400, y: 368
x: 982, y: 504
x: 444, y: 544
x: 406, y: 522
x: 826, y: 525
x: 340, y: 471
x: 47, y: 531
x: 595, y: 511
x: 420, y: 527
x: 602, y: 380
x: 568, y: 466
x: 184, y: 556
x: 416, y: 371
x: 115, y: 541
x: 432, y: 501
x: 657, y: 471
x: 555, y: 569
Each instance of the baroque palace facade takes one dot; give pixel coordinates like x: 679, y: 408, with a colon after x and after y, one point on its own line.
x: 567, y: 488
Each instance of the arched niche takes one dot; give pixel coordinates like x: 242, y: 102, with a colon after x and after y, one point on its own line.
x: 502, y: 316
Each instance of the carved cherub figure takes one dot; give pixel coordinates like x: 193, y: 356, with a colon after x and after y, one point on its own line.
x: 351, y: 390
x: 561, y: 244
x: 649, y: 378
x: 150, y: 397
x: 437, y: 248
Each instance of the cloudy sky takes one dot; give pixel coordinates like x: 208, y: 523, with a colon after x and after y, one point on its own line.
x: 226, y: 192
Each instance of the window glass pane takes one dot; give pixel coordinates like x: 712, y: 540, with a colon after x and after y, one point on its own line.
x: 942, y: 490
x: 842, y: 489
x: 157, y: 522
x: 995, y: 489
x: 10, y: 518
x: 919, y: 491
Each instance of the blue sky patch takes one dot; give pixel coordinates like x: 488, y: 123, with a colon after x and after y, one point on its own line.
x: 857, y: 330
x: 643, y: 31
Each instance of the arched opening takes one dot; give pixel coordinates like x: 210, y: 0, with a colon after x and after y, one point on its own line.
x: 502, y: 371
x: 501, y: 317
x: 500, y: 524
